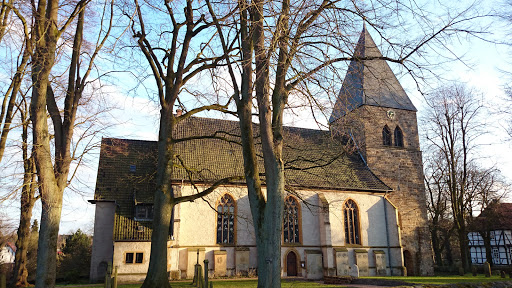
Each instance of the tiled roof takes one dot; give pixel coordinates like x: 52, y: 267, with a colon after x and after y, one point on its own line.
x: 312, y: 158
x: 369, y: 82
x: 495, y: 217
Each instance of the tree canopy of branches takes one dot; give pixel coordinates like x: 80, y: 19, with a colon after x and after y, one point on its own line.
x: 456, y: 183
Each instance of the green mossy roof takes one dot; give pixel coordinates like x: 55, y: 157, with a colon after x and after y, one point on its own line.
x: 127, y: 168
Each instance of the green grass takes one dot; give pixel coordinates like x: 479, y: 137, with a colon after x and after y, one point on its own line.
x: 445, y: 279
x: 252, y: 283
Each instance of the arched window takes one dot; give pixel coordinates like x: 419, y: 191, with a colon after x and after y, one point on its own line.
x: 351, y: 215
x: 291, y: 216
x: 226, y: 220
x: 386, y: 136
x: 399, y: 137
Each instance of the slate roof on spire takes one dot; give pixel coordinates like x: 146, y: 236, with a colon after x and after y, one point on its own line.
x: 369, y: 82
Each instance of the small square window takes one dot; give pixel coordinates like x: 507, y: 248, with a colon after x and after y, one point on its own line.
x: 144, y: 212
x: 139, y: 257
x: 129, y: 258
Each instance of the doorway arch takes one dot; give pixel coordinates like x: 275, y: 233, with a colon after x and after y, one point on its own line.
x: 291, y: 264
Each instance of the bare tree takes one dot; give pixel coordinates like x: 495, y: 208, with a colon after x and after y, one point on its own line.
x: 173, y: 67
x: 286, y: 48
x: 53, y: 163
x: 453, y: 127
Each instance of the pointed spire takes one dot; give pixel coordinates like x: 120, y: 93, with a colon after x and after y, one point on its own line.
x: 369, y: 82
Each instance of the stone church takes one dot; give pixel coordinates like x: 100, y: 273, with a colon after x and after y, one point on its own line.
x: 355, y: 195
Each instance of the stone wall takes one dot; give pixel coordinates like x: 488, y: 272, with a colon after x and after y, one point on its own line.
x: 401, y: 168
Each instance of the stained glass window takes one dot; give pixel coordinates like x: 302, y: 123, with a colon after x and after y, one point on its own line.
x: 351, y: 215
x: 226, y: 220
x: 291, y: 220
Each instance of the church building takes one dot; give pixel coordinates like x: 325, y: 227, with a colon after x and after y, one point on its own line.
x: 355, y: 195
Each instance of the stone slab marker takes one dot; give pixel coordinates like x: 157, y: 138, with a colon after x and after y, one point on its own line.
x: 220, y: 259
x: 380, y: 262
x: 314, y: 264
x: 192, y: 260
x: 341, y: 257
x: 361, y: 256
x: 354, y: 271
x: 242, y: 261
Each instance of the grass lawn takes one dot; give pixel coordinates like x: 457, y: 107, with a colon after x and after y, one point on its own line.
x: 252, y: 283
x: 445, y: 279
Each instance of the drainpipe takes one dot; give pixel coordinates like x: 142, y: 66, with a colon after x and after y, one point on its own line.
x: 387, y: 232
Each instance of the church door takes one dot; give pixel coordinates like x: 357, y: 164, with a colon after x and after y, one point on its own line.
x: 291, y: 264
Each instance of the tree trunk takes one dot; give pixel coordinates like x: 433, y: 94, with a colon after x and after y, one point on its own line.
x: 463, y: 248
x: 272, y: 231
x: 20, y: 262
x: 436, y: 246
x: 486, y: 236
x: 163, y: 204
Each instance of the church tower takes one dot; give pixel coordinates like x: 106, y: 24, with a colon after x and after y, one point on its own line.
x: 373, y: 109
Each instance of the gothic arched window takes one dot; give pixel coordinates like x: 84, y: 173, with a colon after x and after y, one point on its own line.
x: 226, y: 220
x: 351, y: 215
x: 386, y: 136
x: 399, y: 137
x: 291, y: 218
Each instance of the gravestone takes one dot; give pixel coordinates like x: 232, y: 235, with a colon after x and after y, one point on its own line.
x: 194, y: 256
x: 503, y: 274
x: 220, y: 260
x: 380, y: 262
x: 474, y: 270
x: 242, y: 261
x: 342, y: 266
x: 314, y: 265
x: 487, y: 269
x: 354, y: 271
x: 361, y: 256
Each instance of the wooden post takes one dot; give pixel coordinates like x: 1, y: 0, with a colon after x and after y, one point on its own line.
x: 108, y: 276
x: 3, y: 281
x: 114, y: 283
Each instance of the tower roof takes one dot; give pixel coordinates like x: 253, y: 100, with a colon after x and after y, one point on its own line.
x: 369, y: 82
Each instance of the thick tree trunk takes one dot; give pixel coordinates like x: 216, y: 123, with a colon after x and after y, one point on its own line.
x: 157, y: 272
x: 20, y: 268
x: 272, y: 230
x: 51, y: 193
x: 27, y: 203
